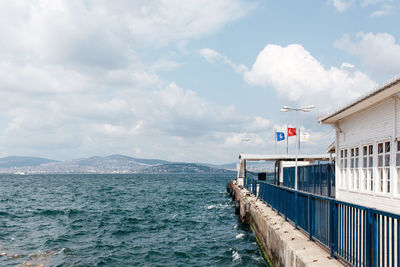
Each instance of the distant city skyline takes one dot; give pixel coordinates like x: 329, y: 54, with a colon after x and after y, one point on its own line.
x: 184, y: 80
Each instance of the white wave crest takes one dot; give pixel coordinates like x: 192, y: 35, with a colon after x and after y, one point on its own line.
x: 217, y: 206
x: 236, y: 256
x: 238, y: 236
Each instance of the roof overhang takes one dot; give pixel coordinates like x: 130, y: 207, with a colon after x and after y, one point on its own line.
x: 366, y: 101
x: 331, y: 148
x: 274, y: 157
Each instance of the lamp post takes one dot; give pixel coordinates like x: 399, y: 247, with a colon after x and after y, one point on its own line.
x: 305, y: 109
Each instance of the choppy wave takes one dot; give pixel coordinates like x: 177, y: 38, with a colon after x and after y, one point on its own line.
x: 218, y: 206
x: 236, y: 256
x: 239, y: 236
x: 121, y: 220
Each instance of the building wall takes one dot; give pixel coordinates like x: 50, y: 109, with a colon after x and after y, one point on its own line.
x: 372, y: 127
x: 375, y: 123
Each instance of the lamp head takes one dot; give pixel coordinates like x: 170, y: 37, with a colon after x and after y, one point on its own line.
x: 308, y: 108
x: 285, y: 109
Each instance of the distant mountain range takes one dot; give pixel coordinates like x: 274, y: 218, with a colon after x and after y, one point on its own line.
x: 108, y: 164
x: 15, y: 161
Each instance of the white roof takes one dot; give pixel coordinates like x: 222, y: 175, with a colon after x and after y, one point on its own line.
x: 388, y: 89
x: 275, y: 157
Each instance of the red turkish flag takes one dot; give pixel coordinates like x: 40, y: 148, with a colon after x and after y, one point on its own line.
x: 291, y: 131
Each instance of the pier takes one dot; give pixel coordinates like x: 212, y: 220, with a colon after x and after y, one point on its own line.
x: 348, y: 206
x: 282, y: 244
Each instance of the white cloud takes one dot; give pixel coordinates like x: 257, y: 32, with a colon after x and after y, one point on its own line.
x: 73, y: 82
x: 164, y: 65
x: 379, y: 52
x: 247, y: 139
x: 79, y: 32
x: 383, y: 11
x: 213, y: 56
x: 183, y: 113
x: 177, y: 121
x: 370, y: 2
x: 297, y: 76
x: 178, y: 20
x: 385, y: 6
x: 341, y: 5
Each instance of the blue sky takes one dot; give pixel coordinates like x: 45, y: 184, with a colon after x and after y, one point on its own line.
x: 184, y: 80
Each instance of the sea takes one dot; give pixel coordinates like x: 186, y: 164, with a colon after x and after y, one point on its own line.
x: 122, y: 220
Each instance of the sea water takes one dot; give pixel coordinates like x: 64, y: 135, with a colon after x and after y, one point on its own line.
x: 122, y: 220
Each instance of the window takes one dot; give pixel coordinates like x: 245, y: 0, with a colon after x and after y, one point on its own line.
x: 387, y: 166
x: 368, y: 164
x: 384, y: 167
x: 344, y: 170
x: 342, y: 167
x: 356, y: 168
x: 370, y: 173
x: 365, y: 169
x: 352, y: 171
x: 380, y: 167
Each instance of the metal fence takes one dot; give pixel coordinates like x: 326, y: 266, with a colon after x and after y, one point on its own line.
x: 317, y: 179
x: 358, y: 235
x: 269, y: 176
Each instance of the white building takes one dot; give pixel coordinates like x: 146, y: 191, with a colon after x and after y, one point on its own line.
x: 368, y: 149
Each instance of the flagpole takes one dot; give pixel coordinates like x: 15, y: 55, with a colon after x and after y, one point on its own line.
x: 299, y: 139
x: 287, y: 139
x: 297, y: 151
x: 305, y: 109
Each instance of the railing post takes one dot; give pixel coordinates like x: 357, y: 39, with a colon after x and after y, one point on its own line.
x: 333, y: 231
x: 329, y: 180
x: 296, y: 209
x: 286, y: 200
x: 309, y: 216
x: 374, y: 239
x: 371, y: 249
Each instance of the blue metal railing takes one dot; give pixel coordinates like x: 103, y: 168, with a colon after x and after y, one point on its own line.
x: 358, y: 235
x: 317, y: 179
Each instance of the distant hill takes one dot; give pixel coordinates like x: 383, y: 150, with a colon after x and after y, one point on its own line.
x: 108, y: 164
x: 17, y: 161
x: 230, y: 166
x: 183, y: 168
x: 227, y: 166
x: 144, y: 161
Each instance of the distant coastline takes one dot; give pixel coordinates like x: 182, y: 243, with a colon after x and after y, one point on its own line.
x: 107, y: 165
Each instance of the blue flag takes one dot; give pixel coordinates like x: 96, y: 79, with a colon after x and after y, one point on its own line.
x: 280, y: 136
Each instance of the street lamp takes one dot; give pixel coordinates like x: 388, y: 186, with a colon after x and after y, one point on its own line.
x: 305, y: 109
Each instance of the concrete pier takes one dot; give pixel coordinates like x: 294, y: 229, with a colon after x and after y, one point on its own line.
x: 282, y: 244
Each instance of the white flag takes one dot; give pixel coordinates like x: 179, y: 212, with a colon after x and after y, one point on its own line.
x: 304, y: 136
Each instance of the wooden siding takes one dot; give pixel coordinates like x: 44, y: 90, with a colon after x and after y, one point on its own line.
x: 371, y: 125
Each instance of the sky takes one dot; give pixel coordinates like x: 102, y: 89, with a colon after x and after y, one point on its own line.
x: 192, y: 81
